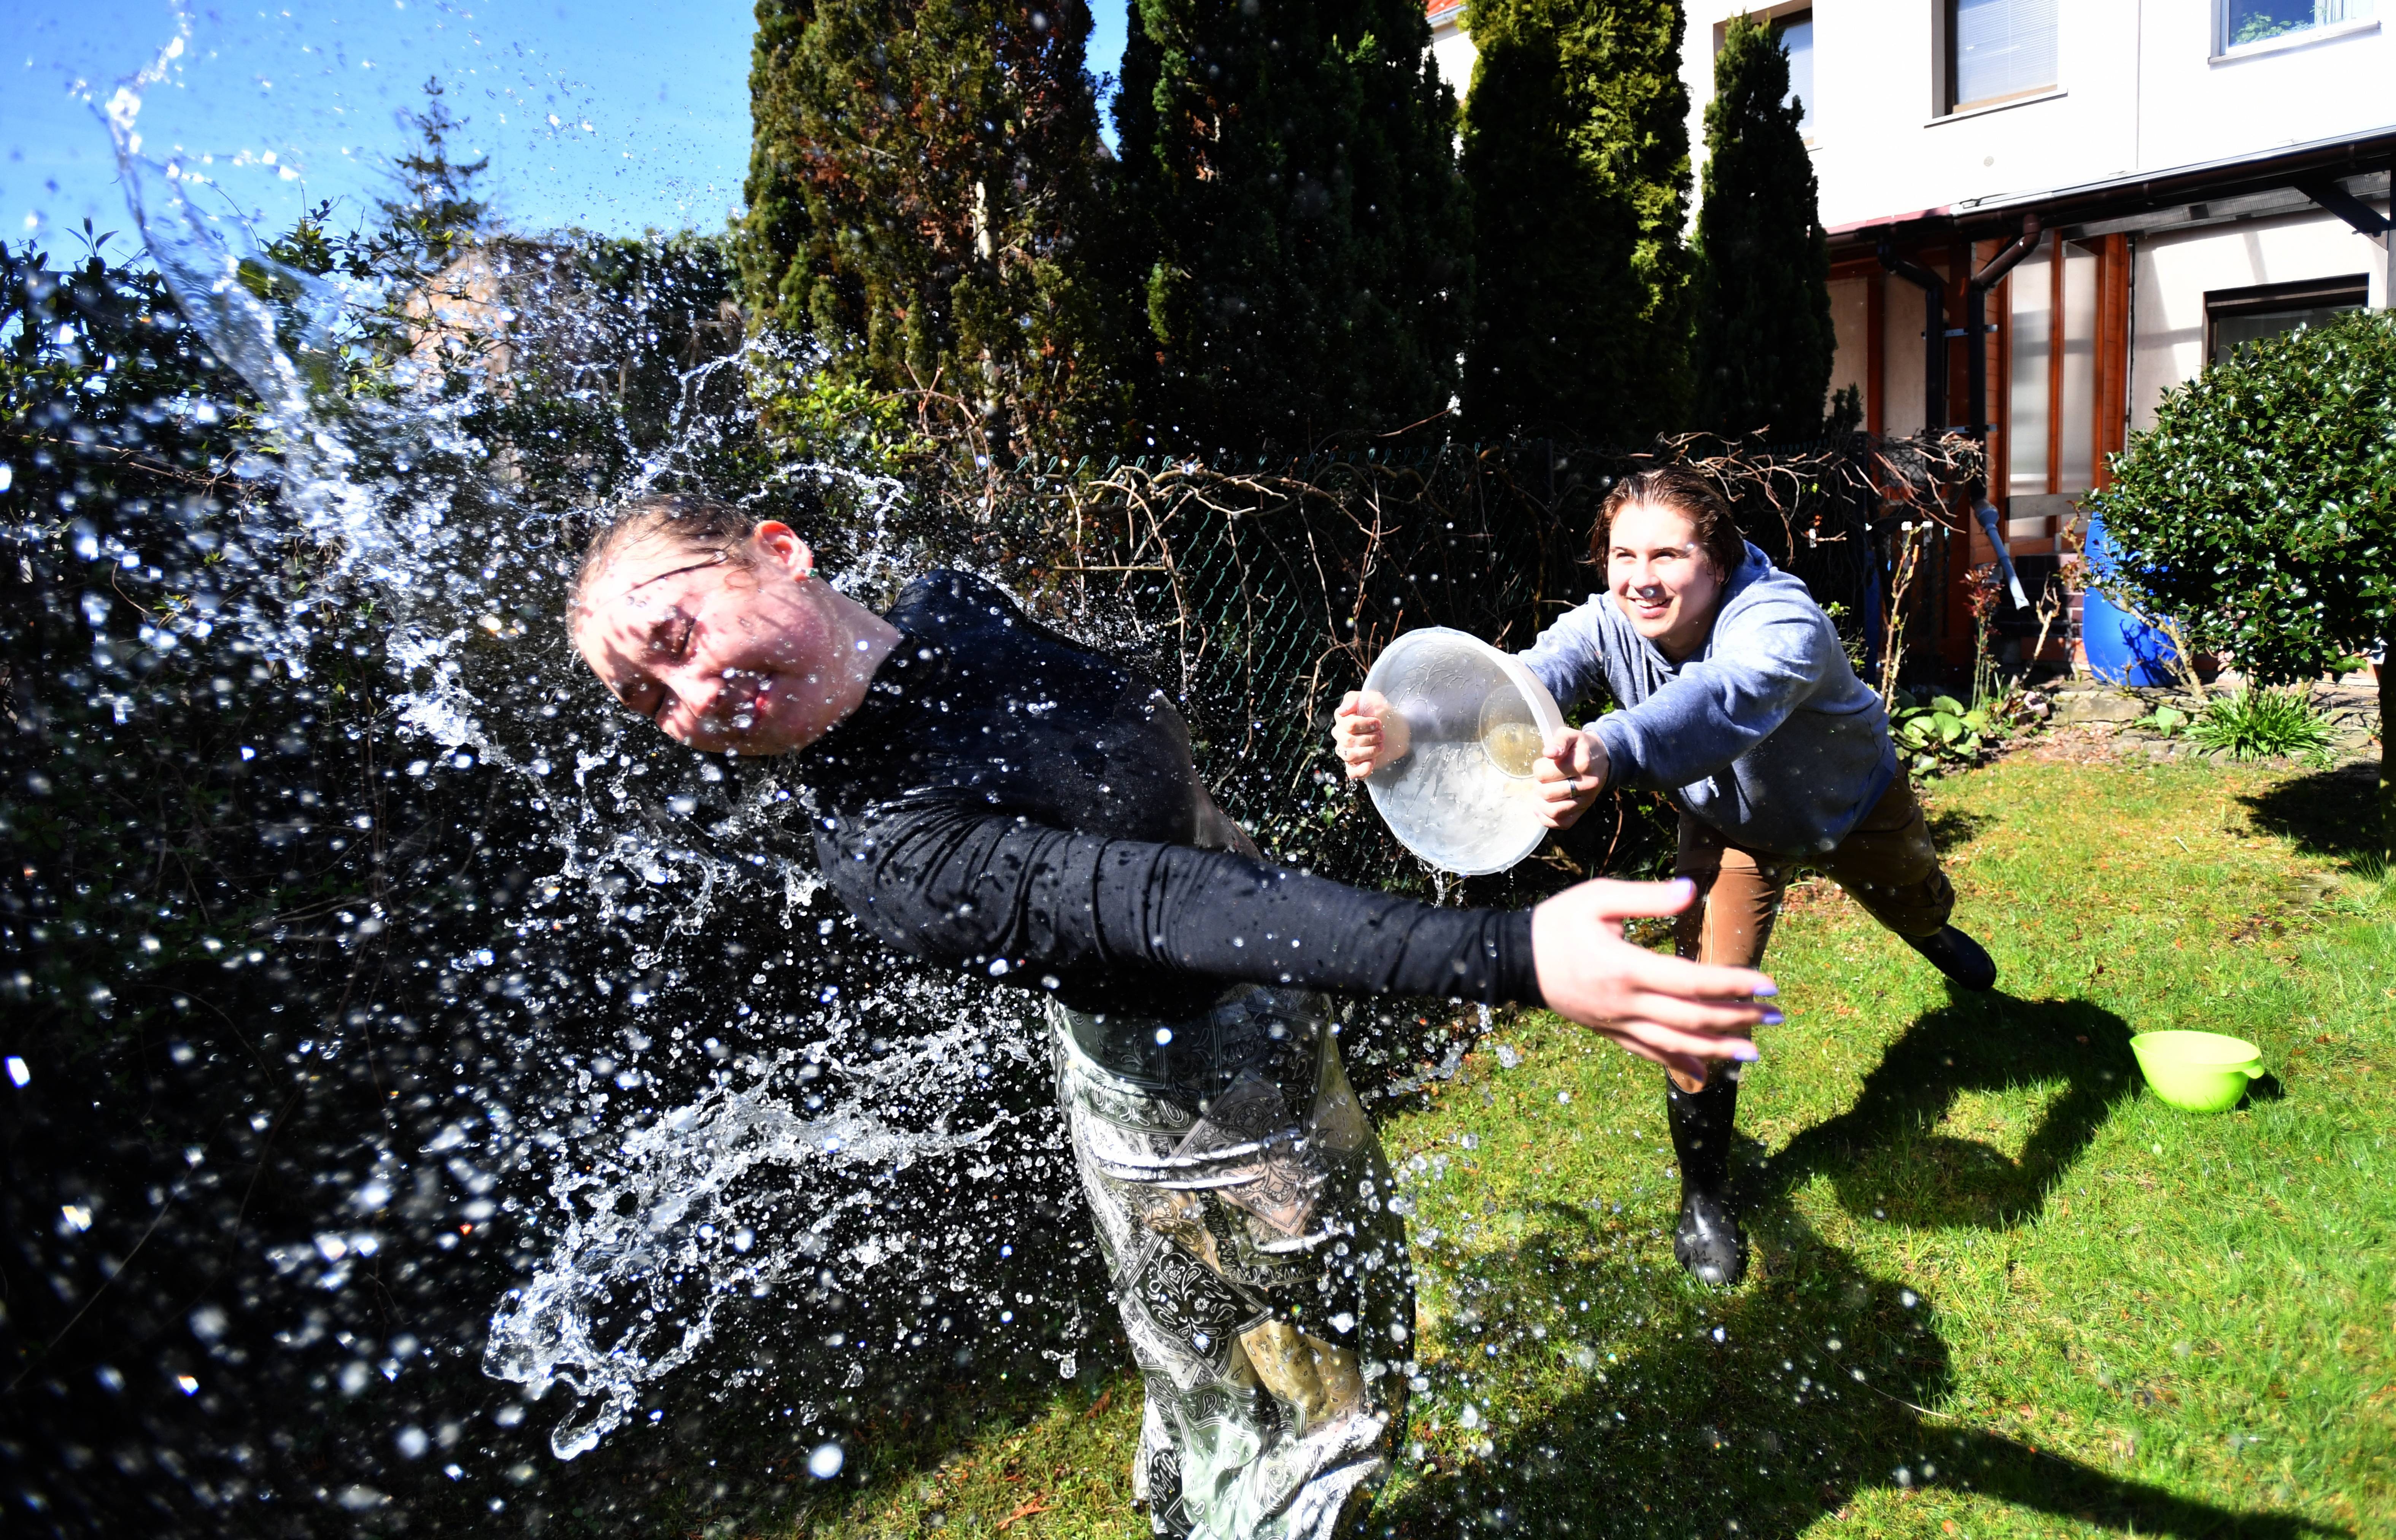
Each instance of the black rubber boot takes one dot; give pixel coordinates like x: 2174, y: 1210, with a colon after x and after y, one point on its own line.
x: 1957, y: 956
x: 1708, y: 1241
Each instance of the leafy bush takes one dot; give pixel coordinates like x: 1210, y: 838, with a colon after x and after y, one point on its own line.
x: 2256, y: 723
x: 2260, y: 512
x: 2260, y: 509
x: 1936, y: 733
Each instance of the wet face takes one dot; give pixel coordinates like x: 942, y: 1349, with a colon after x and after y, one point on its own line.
x: 723, y: 655
x: 1662, y: 578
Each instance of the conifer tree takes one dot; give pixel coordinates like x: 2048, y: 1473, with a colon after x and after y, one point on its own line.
x: 922, y: 177
x: 1290, y: 188
x: 435, y: 215
x: 1576, y: 149
x: 1764, y: 342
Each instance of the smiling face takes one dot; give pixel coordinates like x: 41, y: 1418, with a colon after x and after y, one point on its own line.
x: 1659, y: 574
x: 747, y: 653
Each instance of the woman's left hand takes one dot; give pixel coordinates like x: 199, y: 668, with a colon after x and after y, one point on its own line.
x: 1570, y: 774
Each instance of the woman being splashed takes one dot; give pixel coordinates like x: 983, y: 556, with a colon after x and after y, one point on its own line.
x: 994, y: 797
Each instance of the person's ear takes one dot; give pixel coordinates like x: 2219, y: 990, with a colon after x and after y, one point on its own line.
x: 779, y: 544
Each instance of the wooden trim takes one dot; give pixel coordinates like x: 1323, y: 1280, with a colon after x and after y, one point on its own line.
x: 2001, y: 386
x: 2100, y: 363
x: 1959, y: 304
x: 2112, y: 354
x: 2054, y: 340
x: 1955, y: 616
x: 1875, y: 351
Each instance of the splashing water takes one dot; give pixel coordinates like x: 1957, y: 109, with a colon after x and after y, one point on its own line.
x: 679, y: 1200
x: 566, y: 1041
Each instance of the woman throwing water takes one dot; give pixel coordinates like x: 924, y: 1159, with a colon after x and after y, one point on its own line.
x: 992, y: 796
x: 1739, y: 702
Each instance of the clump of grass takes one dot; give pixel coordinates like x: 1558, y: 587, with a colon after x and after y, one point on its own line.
x: 2255, y: 723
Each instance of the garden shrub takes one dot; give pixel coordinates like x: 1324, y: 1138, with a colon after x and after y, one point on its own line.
x: 2260, y: 509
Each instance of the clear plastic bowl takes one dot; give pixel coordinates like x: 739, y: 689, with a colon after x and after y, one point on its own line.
x: 1477, y: 720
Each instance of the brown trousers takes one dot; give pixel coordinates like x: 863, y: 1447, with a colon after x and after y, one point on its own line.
x: 1886, y: 863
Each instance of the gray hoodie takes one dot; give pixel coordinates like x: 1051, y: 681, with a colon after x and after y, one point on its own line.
x: 1766, y: 733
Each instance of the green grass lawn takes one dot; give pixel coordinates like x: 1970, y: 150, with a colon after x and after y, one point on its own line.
x: 1998, y: 1290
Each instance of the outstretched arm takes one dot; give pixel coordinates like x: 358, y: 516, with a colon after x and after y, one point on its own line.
x: 1721, y: 706
x: 1018, y: 900
x: 1669, y: 1009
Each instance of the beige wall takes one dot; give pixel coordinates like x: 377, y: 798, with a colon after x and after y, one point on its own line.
x: 1851, y: 318
x: 2172, y: 273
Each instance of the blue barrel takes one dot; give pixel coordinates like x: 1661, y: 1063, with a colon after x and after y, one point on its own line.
x: 2124, y: 647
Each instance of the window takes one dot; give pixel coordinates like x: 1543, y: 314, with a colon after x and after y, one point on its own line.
x: 2235, y: 317
x: 2260, y: 21
x: 1796, y: 32
x: 2000, y: 49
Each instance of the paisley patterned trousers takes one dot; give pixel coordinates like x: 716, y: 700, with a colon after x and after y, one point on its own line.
x: 1242, y: 1203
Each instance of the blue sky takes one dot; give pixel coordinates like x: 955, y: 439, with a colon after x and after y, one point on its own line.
x: 602, y: 113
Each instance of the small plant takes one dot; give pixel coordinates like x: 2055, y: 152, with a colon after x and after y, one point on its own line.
x: 2258, y: 724
x: 1985, y: 592
x: 1932, y: 735
x: 2164, y: 721
x: 1851, y: 636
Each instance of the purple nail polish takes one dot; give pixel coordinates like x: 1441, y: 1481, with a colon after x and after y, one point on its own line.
x: 1767, y: 989
x: 1772, y: 1018
x: 1745, y: 1053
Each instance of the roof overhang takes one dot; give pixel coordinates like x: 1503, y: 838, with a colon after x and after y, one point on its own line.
x: 2257, y: 185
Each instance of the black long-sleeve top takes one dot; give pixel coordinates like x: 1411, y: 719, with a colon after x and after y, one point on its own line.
x: 1014, y: 803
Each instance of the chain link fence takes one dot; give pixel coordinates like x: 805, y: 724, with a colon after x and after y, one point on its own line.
x: 1258, y: 595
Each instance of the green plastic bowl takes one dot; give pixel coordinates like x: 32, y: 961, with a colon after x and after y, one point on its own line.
x: 2198, y: 1071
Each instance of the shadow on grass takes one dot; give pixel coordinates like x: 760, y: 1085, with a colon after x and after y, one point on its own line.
x: 1951, y: 828
x: 1885, y: 1160
x: 1757, y: 1413
x: 2332, y: 812
x: 1754, y: 1414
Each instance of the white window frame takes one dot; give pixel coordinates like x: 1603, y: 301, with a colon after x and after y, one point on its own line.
x: 2225, y: 51
x: 1944, y: 67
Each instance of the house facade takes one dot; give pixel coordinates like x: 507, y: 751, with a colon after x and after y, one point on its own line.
x: 2118, y: 191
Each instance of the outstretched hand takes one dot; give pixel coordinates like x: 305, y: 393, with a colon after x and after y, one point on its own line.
x: 1678, y: 1013
x: 1366, y: 733
x: 1571, y: 770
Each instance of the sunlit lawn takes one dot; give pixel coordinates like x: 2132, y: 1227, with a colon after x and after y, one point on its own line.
x: 1999, y: 1290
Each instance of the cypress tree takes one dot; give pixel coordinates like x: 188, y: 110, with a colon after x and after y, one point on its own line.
x: 1764, y: 342
x: 920, y: 179
x: 436, y: 216
x: 1576, y: 149
x: 1289, y: 184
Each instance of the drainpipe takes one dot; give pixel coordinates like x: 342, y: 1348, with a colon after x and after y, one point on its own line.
x: 1986, y: 511
x: 1934, y: 334
x: 1975, y: 331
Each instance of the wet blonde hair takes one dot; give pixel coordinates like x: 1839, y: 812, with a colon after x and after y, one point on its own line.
x: 700, y: 524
